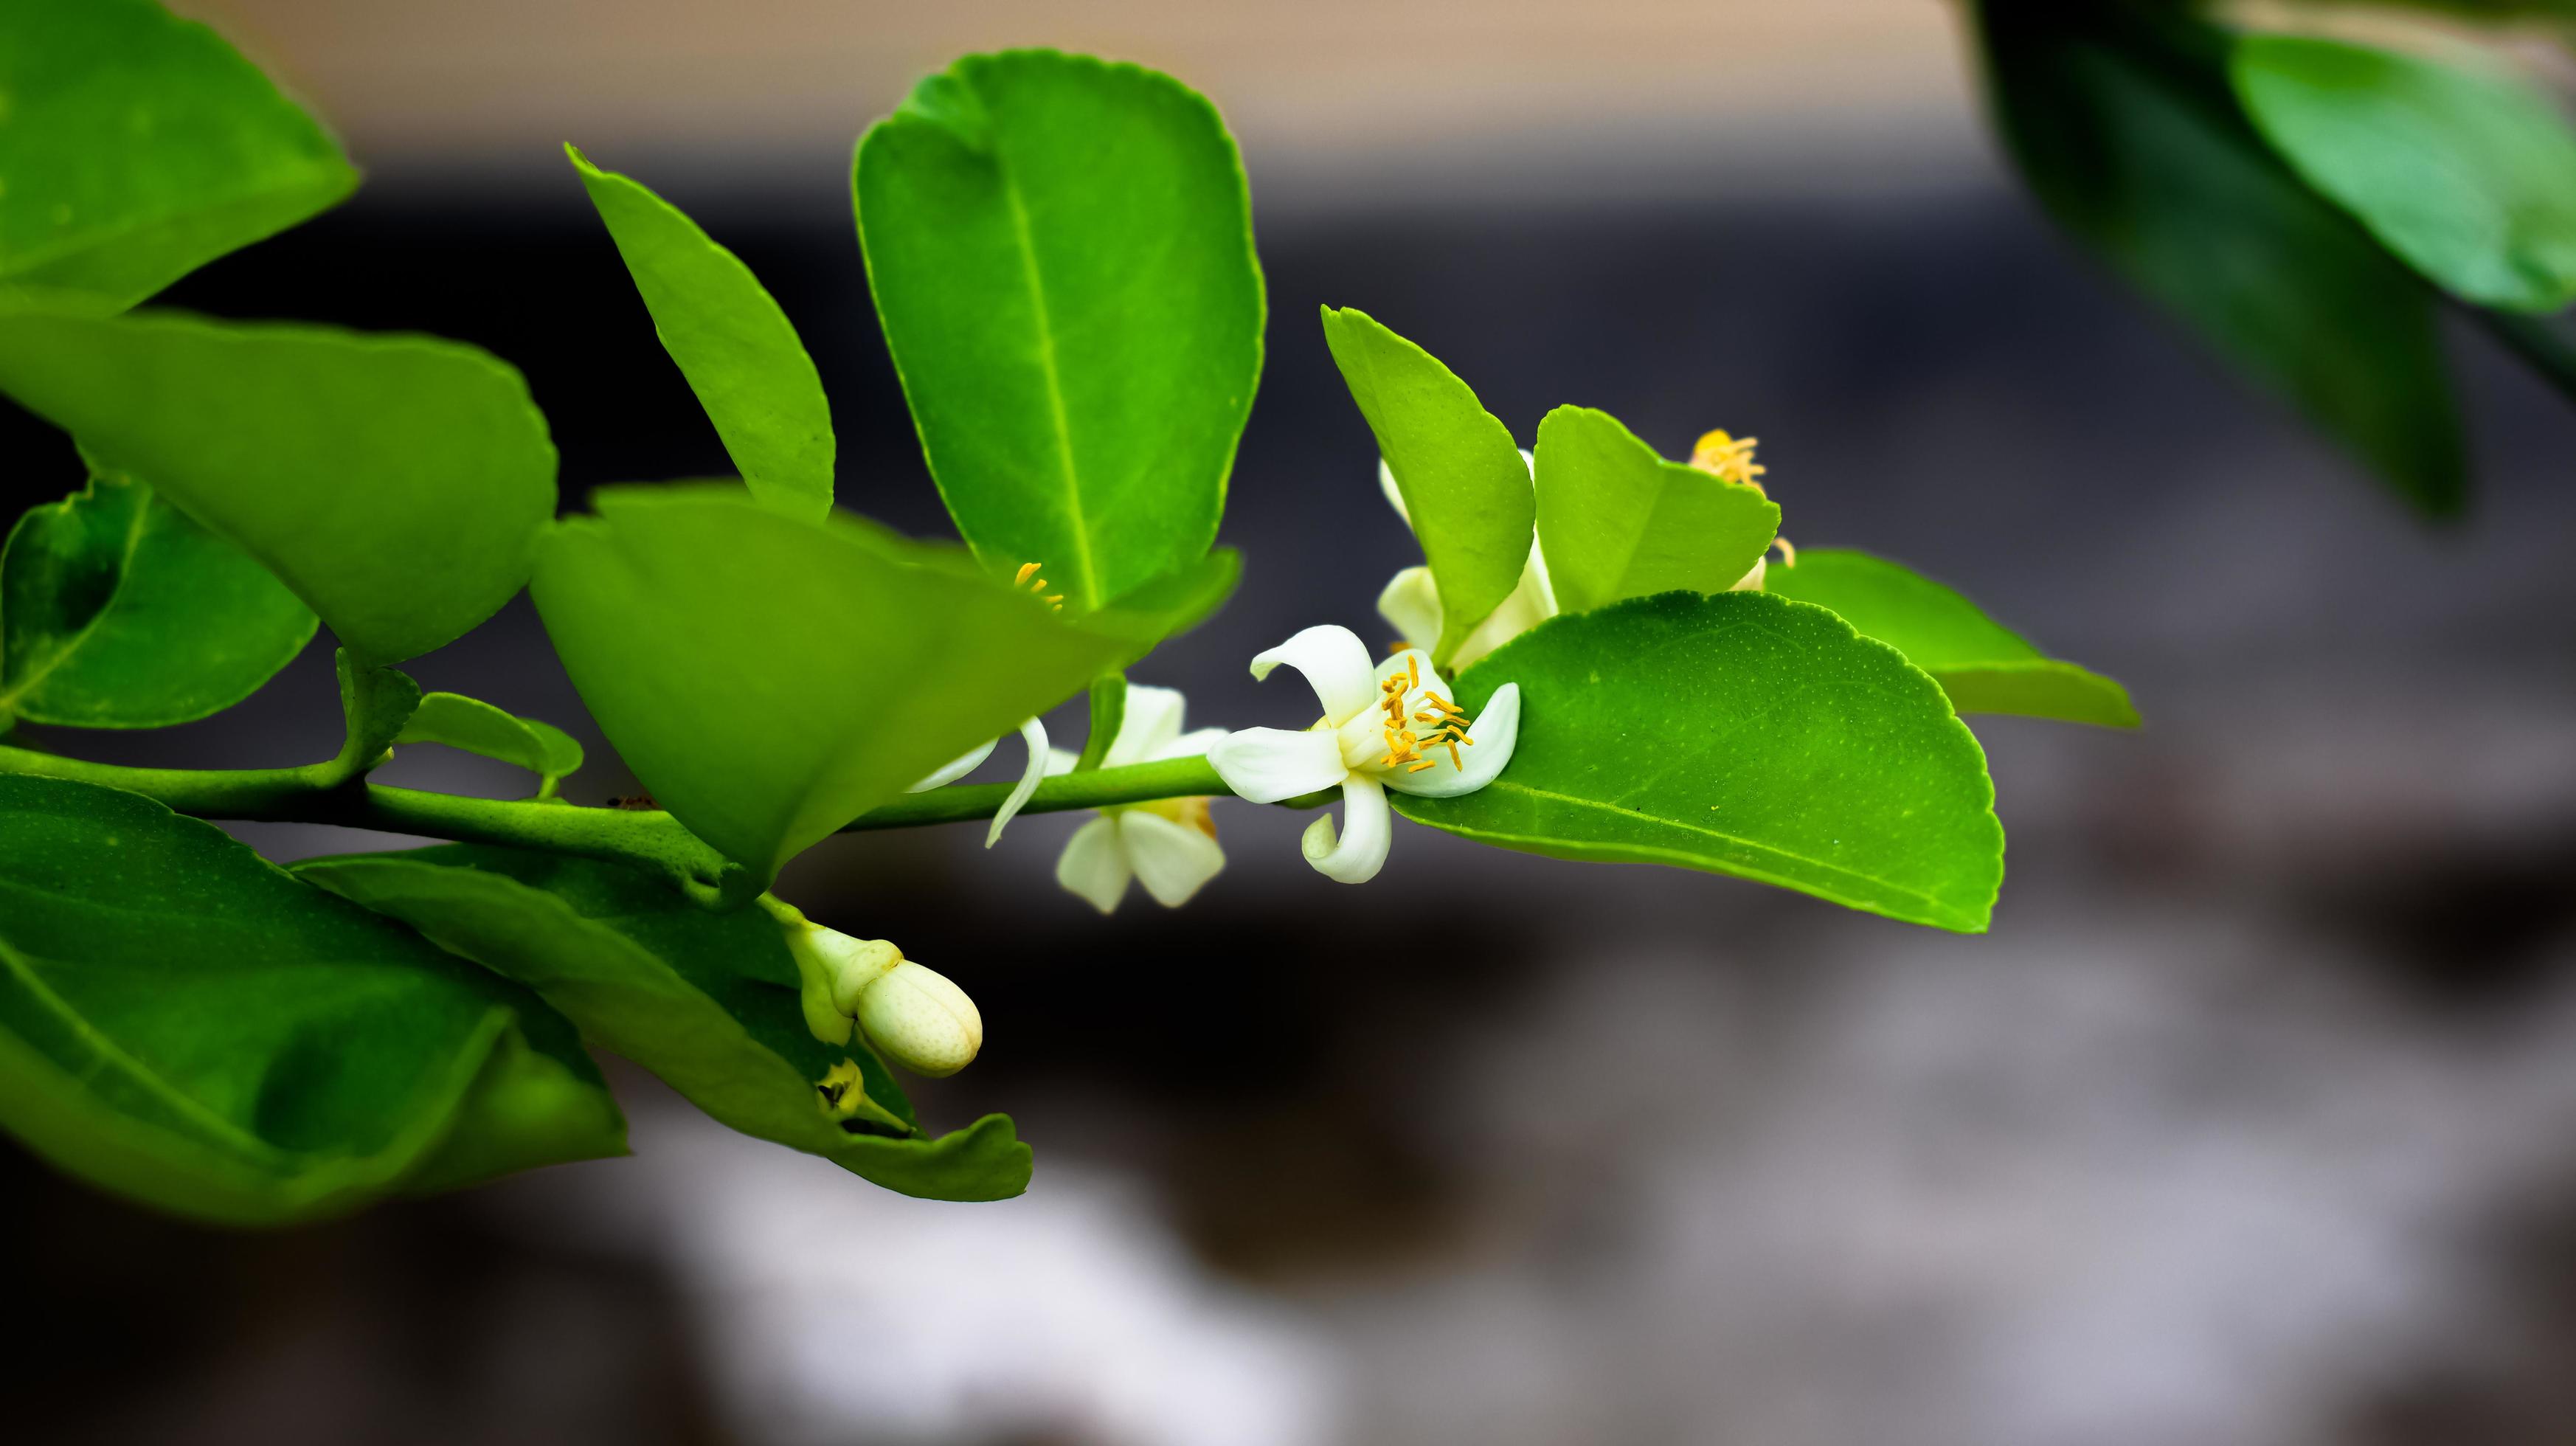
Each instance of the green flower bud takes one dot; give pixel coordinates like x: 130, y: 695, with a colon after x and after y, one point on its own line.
x: 918, y: 1019
x: 832, y: 971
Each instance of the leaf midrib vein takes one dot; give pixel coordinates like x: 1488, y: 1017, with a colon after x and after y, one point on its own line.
x: 124, y: 571
x: 1057, y: 416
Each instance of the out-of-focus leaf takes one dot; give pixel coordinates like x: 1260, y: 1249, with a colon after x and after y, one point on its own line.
x: 1984, y: 667
x: 1466, y: 487
x: 184, y: 1024
x: 119, y: 612
x: 478, y: 727
x: 2471, y: 178
x: 770, y: 677
x: 706, y: 1000
x: 136, y: 147
x: 1618, y: 521
x: 1746, y: 735
x: 2122, y: 120
x: 1061, y: 253
x: 731, y: 340
x: 395, y: 483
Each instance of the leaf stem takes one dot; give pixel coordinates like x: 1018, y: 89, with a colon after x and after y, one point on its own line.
x: 1097, y: 788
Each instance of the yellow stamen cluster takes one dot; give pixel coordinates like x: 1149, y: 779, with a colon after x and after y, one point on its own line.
x: 1448, y: 728
x: 1037, y: 586
x: 1729, y: 457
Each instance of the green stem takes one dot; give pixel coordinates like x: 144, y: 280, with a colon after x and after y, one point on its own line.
x: 1096, y: 788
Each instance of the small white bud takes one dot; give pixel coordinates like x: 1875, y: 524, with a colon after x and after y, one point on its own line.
x: 833, y: 970
x: 916, y: 1018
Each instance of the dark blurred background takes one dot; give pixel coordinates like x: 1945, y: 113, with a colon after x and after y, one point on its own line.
x: 2252, y: 1121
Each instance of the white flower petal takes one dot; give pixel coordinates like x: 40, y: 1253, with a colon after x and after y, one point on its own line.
x: 1193, y: 744
x: 1152, y: 719
x: 1034, y: 734
x: 1495, y: 732
x: 1171, y: 859
x: 1367, y: 829
x: 1752, y: 581
x: 1060, y: 761
x: 1411, y: 605
x: 1394, y: 494
x: 956, y: 768
x: 1334, y: 660
x: 1532, y: 602
x: 1266, y: 765
x: 1094, y: 864
x: 1426, y: 678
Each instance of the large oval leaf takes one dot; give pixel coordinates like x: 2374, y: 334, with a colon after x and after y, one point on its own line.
x: 119, y: 612
x: 1743, y: 734
x: 1061, y: 253
x: 731, y: 340
x: 1983, y: 666
x: 395, y: 482
x: 185, y: 1024
x: 136, y: 147
x: 1618, y: 521
x: 706, y: 1000
x: 770, y: 678
x: 2471, y: 178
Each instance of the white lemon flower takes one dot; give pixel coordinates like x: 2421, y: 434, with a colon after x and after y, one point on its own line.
x: 1411, y: 601
x: 1391, y: 726
x: 1168, y: 845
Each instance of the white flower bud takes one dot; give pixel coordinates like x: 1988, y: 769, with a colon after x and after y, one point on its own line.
x: 834, y: 970
x: 916, y: 1018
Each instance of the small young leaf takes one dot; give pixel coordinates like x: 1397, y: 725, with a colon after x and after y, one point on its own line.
x: 184, y: 1024
x: 706, y: 1000
x: 1984, y: 667
x: 2471, y: 178
x: 478, y: 727
x: 731, y: 340
x: 136, y: 147
x: 1618, y: 521
x: 2122, y: 121
x: 1464, y: 482
x: 395, y: 483
x: 121, y: 613
x: 1061, y: 255
x: 770, y: 678
x: 377, y: 704
x: 1743, y: 734
x: 1108, y: 714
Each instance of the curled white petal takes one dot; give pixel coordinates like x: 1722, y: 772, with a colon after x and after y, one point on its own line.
x: 1193, y: 744
x: 1172, y: 860
x: 1532, y: 602
x: 1752, y: 581
x: 1034, y: 734
x: 1496, y: 731
x: 956, y: 768
x: 1411, y: 605
x: 1394, y: 494
x: 1266, y: 765
x: 1151, y: 720
x: 1094, y: 864
x: 1367, y: 829
x: 1334, y: 660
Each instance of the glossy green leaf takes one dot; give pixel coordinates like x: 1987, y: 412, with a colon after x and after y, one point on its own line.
x: 2122, y: 120
x: 1618, y: 521
x: 770, y: 678
x: 134, y: 148
x: 2471, y: 178
x: 1742, y: 734
x: 1466, y: 487
x: 1061, y: 253
x: 377, y: 704
x: 706, y: 1000
x: 395, y: 483
x: 478, y: 727
x: 1983, y: 666
x: 116, y: 611
x: 185, y: 1024
x: 731, y: 341
x: 1108, y: 714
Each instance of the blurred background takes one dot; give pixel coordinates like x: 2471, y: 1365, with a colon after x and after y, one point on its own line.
x: 2252, y: 1121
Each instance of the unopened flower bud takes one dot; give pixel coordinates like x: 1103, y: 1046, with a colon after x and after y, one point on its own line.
x: 916, y: 1018
x: 833, y: 970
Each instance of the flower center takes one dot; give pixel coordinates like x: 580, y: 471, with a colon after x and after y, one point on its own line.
x: 1729, y: 458
x: 1037, y: 586
x: 1445, y: 726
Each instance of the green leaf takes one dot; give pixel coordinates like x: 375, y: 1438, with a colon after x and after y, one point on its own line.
x: 1618, y: 521
x: 770, y: 678
x: 1061, y: 254
x: 395, y: 483
x: 377, y: 704
x: 1466, y: 487
x: 731, y: 340
x: 2471, y: 178
x: 136, y: 147
x: 478, y: 727
x: 1108, y: 715
x: 706, y: 1000
x: 182, y: 1023
x: 119, y: 612
x: 1742, y: 734
x: 2123, y: 123
x: 1984, y: 667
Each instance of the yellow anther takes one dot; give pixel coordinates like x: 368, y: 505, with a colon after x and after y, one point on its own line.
x: 1426, y: 763
x: 1788, y: 554
x: 1728, y: 457
x: 1026, y: 569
